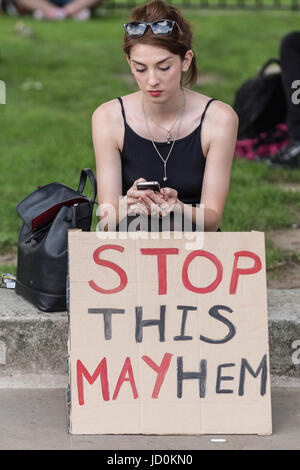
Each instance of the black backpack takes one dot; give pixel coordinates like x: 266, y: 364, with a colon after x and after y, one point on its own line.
x: 48, y: 213
x: 260, y: 103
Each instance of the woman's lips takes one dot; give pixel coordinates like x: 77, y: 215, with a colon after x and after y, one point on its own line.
x: 155, y: 93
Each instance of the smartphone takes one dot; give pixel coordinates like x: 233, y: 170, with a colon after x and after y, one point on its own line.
x: 153, y: 185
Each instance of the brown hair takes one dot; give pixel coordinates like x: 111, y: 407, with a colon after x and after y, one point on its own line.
x: 179, y: 42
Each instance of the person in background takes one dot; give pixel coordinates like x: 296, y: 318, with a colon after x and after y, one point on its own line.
x: 289, y: 51
x: 58, y: 9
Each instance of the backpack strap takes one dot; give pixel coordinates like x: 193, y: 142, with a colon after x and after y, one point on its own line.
x: 266, y: 65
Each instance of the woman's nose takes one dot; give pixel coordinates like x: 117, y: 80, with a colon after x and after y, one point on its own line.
x: 152, y: 79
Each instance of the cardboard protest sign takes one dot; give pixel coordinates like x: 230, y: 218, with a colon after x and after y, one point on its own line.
x: 165, y: 340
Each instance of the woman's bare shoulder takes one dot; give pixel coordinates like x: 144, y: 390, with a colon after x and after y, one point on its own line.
x: 218, y: 111
x: 107, y: 123
x: 108, y: 112
x: 111, y: 110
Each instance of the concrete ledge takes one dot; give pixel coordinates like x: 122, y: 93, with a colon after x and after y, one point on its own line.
x: 284, y: 330
x: 31, y: 341
x: 33, y: 344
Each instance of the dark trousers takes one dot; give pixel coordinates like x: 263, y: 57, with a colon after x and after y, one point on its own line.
x: 290, y: 71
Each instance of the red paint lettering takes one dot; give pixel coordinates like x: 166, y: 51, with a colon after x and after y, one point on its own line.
x: 82, y: 371
x: 161, y: 264
x: 160, y: 370
x: 127, y: 368
x: 214, y: 284
x: 113, y: 266
x: 236, y: 272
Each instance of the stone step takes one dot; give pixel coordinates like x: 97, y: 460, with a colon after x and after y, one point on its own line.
x: 33, y: 344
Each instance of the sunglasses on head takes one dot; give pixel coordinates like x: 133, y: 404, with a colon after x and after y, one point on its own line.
x: 136, y: 29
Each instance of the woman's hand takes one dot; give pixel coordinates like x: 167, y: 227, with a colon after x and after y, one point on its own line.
x: 143, y: 201
x: 170, y: 196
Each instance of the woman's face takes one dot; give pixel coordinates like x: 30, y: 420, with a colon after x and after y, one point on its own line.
x: 157, y: 71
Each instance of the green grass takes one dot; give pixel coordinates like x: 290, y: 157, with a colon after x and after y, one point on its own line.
x: 221, y: 4
x: 8, y: 268
x: 45, y: 135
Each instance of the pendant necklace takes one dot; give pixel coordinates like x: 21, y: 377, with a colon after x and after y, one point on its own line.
x: 169, y: 135
x: 165, y: 160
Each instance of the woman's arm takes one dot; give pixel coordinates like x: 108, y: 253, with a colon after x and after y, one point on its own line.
x: 108, y: 163
x: 221, y: 131
x: 216, y: 180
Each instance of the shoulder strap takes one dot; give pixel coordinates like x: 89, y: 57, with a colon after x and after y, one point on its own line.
x: 122, y: 107
x: 203, y: 114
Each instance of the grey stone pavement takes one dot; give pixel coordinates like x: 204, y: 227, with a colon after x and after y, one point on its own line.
x: 34, y: 419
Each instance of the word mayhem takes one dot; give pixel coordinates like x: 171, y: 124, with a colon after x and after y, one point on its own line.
x: 162, y: 253
x: 161, y: 370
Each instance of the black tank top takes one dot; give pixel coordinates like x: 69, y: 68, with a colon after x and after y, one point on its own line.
x: 185, y: 166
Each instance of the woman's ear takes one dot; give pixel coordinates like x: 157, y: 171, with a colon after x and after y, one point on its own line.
x: 128, y: 60
x: 187, y: 60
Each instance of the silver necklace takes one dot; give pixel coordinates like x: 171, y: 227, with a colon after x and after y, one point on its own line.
x: 169, y: 135
x: 164, y: 160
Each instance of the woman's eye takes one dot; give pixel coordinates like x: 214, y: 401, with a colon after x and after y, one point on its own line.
x: 160, y: 68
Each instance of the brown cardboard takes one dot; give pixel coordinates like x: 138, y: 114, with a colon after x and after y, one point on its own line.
x: 224, y: 339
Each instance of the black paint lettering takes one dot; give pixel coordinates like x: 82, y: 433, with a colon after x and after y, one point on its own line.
x: 263, y: 368
x: 107, y: 313
x: 201, y: 376
x: 182, y: 336
x: 140, y: 323
x: 220, y: 377
x: 214, y: 312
